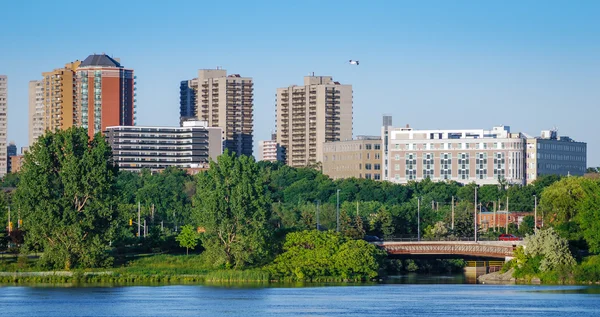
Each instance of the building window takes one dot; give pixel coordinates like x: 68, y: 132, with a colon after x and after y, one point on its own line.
x: 368, y: 166
x: 377, y: 177
x: 499, y: 165
x: 368, y: 176
x: 481, y: 165
x: 428, y: 165
x: 368, y: 146
x: 396, y: 167
x: 377, y: 156
x: 377, y: 167
x: 446, y: 165
x: 411, y: 166
x: 397, y: 157
x: 377, y: 146
x: 463, y: 165
x: 397, y: 177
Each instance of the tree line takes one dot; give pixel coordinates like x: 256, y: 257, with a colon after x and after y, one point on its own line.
x: 80, y: 211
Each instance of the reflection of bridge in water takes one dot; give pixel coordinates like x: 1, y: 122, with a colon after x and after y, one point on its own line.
x: 454, y: 249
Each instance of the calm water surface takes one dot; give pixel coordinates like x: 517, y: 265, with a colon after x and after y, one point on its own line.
x: 353, y: 300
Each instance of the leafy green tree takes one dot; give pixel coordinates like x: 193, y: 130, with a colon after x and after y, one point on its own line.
x: 232, y: 207
x: 553, y: 249
x: 565, y: 201
x: 10, y: 180
x: 309, y: 255
x: 436, y: 231
x: 188, y: 238
x: 66, y: 194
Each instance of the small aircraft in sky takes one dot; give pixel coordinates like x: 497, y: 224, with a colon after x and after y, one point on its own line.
x: 353, y: 62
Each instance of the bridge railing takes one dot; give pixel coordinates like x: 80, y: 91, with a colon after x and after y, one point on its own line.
x: 407, y: 238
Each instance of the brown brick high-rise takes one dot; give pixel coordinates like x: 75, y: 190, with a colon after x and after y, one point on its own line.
x: 105, y: 94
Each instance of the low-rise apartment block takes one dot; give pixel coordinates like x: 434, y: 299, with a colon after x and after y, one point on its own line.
x: 359, y: 158
x: 465, y: 156
x: 190, y: 146
x: 270, y: 150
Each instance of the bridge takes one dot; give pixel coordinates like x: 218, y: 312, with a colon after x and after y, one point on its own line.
x: 466, y: 249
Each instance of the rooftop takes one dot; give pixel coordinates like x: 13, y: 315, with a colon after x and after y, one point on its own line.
x: 100, y: 60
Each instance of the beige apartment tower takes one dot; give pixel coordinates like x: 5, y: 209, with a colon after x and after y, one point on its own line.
x: 310, y: 115
x: 59, y: 97
x: 226, y: 102
x: 36, y: 110
x: 3, y: 124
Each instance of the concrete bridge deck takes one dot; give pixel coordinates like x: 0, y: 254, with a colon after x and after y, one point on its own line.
x: 486, y: 249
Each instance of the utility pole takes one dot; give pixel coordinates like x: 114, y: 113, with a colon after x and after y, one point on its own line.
x: 356, y: 208
x: 161, y: 226
x: 9, y: 224
x: 495, y: 223
x: 139, y: 219
x: 144, y: 228
x: 475, y: 214
x: 452, y: 212
x: 535, y: 214
x: 418, y: 218
x: 318, y: 203
x: 152, y: 217
x: 338, y: 211
x: 507, y: 214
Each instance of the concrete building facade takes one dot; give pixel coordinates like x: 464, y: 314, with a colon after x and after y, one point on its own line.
x: 156, y: 148
x: 360, y: 158
x: 105, y: 94
x: 36, y: 110
x: 270, y: 150
x: 551, y: 154
x: 59, y: 98
x: 11, y: 150
x: 465, y: 156
x: 3, y: 124
x: 309, y: 116
x: 223, y: 101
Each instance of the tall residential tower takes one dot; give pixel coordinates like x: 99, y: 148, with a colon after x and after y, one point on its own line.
x: 310, y: 115
x: 222, y: 101
x: 59, y: 98
x: 3, y: 124
x: 36, y: 110
x: 105, y: 94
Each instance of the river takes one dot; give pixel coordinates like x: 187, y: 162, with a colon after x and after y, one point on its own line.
x: 323, y: 300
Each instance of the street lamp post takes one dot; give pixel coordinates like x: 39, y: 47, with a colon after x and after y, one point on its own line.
x: 535, y: 214
x: 338, y: 211
x: 475, y: 215
x: 418, y: 218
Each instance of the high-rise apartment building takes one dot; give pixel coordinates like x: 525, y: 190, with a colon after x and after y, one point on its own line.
x: 105, y: 94
x: 360, y: 158
x: 3, y: 123
x: 36, y: 110
x: 222, y: 101
x: 11, y: 150
x: 465, y: 156
x: 59, y: 98
x: 310, y: 115
x: 551, y: 154
x: 187, y: 99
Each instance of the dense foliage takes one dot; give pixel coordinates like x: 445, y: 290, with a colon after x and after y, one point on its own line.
x: 310, y: 255
x: 66, y: 196
x: 231, y: 207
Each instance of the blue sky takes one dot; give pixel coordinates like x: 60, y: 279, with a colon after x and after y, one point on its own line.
x: 532, y: 65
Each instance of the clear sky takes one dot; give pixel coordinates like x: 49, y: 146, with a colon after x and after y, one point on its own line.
x: 532, y: 65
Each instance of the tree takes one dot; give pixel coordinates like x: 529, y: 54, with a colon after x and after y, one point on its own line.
x: 570, y: 203
x: 437, y: 231
x: 66, y: 195
x: 232, y: 207
x: 527, y: 226
x: 188, y: 238
x: 553, y: 250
